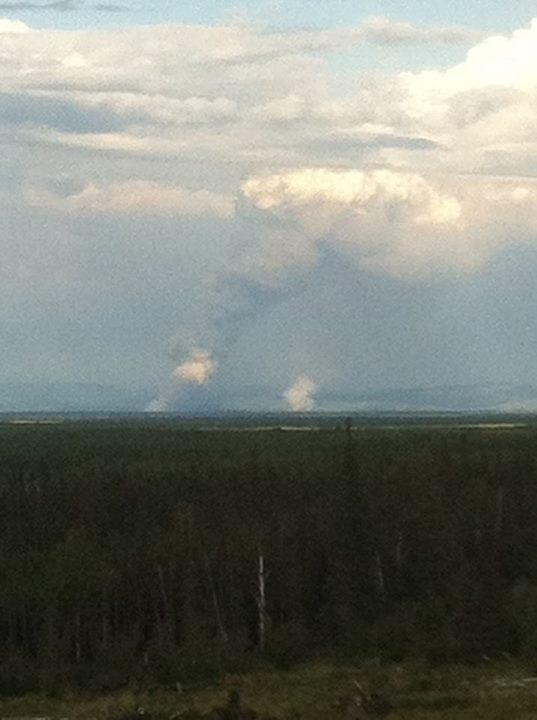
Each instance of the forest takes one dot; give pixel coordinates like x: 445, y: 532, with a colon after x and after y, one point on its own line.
x: 166, y: 554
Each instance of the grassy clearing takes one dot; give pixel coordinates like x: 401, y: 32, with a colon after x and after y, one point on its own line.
x: 493, y: 692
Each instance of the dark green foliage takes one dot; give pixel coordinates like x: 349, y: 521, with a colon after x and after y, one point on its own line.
x: 131, y: 554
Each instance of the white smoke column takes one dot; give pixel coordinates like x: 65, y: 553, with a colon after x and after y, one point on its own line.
x: 159, y: 404
x: 300, y: 395
x: 198, y: 369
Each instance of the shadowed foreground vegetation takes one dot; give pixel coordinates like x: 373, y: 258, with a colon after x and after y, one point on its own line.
x: 137, y: 557
x: 313, y: 692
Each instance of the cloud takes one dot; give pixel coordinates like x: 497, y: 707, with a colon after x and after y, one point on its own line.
x: 485, y: 108
x: 497, y: 61
x: 13, y: 26
x: 382, y: 174
x: 161, y: 109
x: 383, y: 31
x: 372, y: 30
x: 61, y: 5
x: 355, y: 189
x: 62, y: 115
x: 110, y: 8
x: 133, y: 197
x: 446, y: 146
x: 395, y: 221
x: 137, y: 85
x: 285, y: 170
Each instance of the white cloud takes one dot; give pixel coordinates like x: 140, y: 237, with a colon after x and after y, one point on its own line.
x: 212, y: 81
x: 413, y: 174
x: 13, y: 26
x: 150, y: 57
x: 485, y: 108
x: 439, y: 135
x: 395, y: 222
x: 355, y: 189
x: 379, y: 169
x: 497, y: 61
x: 135, y: 196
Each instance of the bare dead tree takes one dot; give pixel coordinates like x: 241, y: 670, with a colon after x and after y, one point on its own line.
x: 261, y: 599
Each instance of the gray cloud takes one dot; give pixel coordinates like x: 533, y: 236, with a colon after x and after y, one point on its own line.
x: 469, y: 107
x: 110, y: 8
x: 376, y: 30
x: 57, y: 114
x: 382, y: 31
x: 61, y: 5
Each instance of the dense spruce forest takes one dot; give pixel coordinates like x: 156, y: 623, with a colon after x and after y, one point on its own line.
x: 163, y: 554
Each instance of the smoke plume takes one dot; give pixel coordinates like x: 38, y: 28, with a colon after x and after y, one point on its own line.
x: 197, y: 370
x: 300, y: 397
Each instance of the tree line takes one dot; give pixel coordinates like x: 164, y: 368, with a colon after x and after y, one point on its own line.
x: 163, y: 555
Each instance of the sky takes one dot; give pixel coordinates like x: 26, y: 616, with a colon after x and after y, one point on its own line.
x: 263, y: 204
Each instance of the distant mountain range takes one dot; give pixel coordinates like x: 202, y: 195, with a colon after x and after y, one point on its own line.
x: 448, y: 398
x: 94, y: 397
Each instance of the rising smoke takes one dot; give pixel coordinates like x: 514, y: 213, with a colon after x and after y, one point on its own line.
x: 197, y: 370
x: 300, y: 396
